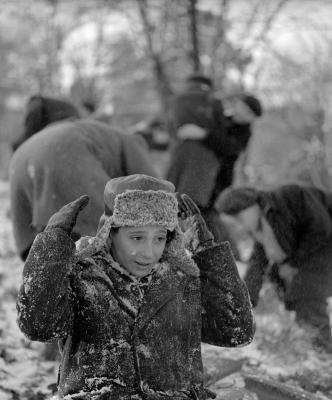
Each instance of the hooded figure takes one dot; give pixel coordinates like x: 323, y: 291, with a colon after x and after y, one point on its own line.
x: 62, y: 162
x: 131, y: 305
x: 292, y: 228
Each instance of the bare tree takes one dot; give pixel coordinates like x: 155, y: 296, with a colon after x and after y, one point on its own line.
x: 195, y: 53
x: 155, y: 55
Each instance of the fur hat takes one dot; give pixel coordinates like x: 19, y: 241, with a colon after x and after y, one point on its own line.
x: 253, y: 103
x: 138, y: 200
x: 233, y: 200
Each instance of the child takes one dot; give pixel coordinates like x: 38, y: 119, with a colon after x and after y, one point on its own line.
x: 131, y: 306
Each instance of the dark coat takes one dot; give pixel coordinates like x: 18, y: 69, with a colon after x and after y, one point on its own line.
x: 301, y: 219
x: 227, y: 146
x: 121, y: 340
x: 199, y: 107
x: 62, y: 162
x: 193, y: 166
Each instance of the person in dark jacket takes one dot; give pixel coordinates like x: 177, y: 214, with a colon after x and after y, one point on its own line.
x: 63, y: 161
x: 126, y: 305
x: 193, y: 167
x: 208, y: 145
x: 42, y: 111
x: 235, y: 140
x: 292, y: 228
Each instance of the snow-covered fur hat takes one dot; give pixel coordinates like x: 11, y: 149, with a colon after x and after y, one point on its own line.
x: 138, y: 200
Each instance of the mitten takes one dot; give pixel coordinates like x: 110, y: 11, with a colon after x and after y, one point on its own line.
x: 66, y: 217
x: 198, y: 234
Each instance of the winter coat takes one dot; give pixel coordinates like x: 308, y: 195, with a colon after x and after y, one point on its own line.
x: 62, y: 162
x: 193, y: 169
x: 193, y: 166
x: 227, y: 147
x: 199, y: 107
x: 301, y: 219
x: 124, y: 340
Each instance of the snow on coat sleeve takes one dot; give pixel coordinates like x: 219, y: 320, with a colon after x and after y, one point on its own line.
x: 44, y: 304
x: 227, y: 318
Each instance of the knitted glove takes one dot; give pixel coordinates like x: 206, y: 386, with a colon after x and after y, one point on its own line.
x: 66, y: 217
x: 198, y: 235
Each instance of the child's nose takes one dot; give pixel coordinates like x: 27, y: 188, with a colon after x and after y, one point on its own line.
x: 148, y: 250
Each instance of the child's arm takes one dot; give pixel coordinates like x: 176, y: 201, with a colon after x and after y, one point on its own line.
x: 227, y: 318
x: 44, y: 303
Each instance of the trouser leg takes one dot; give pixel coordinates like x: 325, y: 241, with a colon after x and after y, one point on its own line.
x: 314, y: 313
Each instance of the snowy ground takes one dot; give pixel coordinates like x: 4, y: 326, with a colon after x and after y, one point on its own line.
x: 280, y: 350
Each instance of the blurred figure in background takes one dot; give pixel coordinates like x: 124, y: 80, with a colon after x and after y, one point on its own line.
x: 239, y: 120
x: 292, y: 229
x: 41, y: 111
x: 63, y: 161
x: 154, y: 133
x: 194, y: 166
x: 208, y: 146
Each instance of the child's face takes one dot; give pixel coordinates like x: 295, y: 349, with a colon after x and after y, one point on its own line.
x: 138, y: 249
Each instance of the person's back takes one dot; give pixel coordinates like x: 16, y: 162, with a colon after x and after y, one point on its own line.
x: 63, y: 161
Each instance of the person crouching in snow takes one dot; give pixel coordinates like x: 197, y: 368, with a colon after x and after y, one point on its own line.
x: 131, y: 305
x: 292, y: 230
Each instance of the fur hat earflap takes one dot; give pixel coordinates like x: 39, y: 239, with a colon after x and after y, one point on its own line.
x: 177, y: 256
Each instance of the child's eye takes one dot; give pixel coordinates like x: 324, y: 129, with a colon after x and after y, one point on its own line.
x: 136, y: 238
x: 161, y: 238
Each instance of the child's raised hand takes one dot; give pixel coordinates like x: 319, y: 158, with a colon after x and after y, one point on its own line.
x: 66, y: 217
x: 198, y: 235
x: 187, y: 206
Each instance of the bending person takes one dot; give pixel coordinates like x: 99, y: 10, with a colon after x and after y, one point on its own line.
x: 60, y: 163
x: 292, y: 228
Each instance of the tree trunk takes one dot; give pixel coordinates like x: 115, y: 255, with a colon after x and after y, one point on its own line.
x: 194, y: 54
